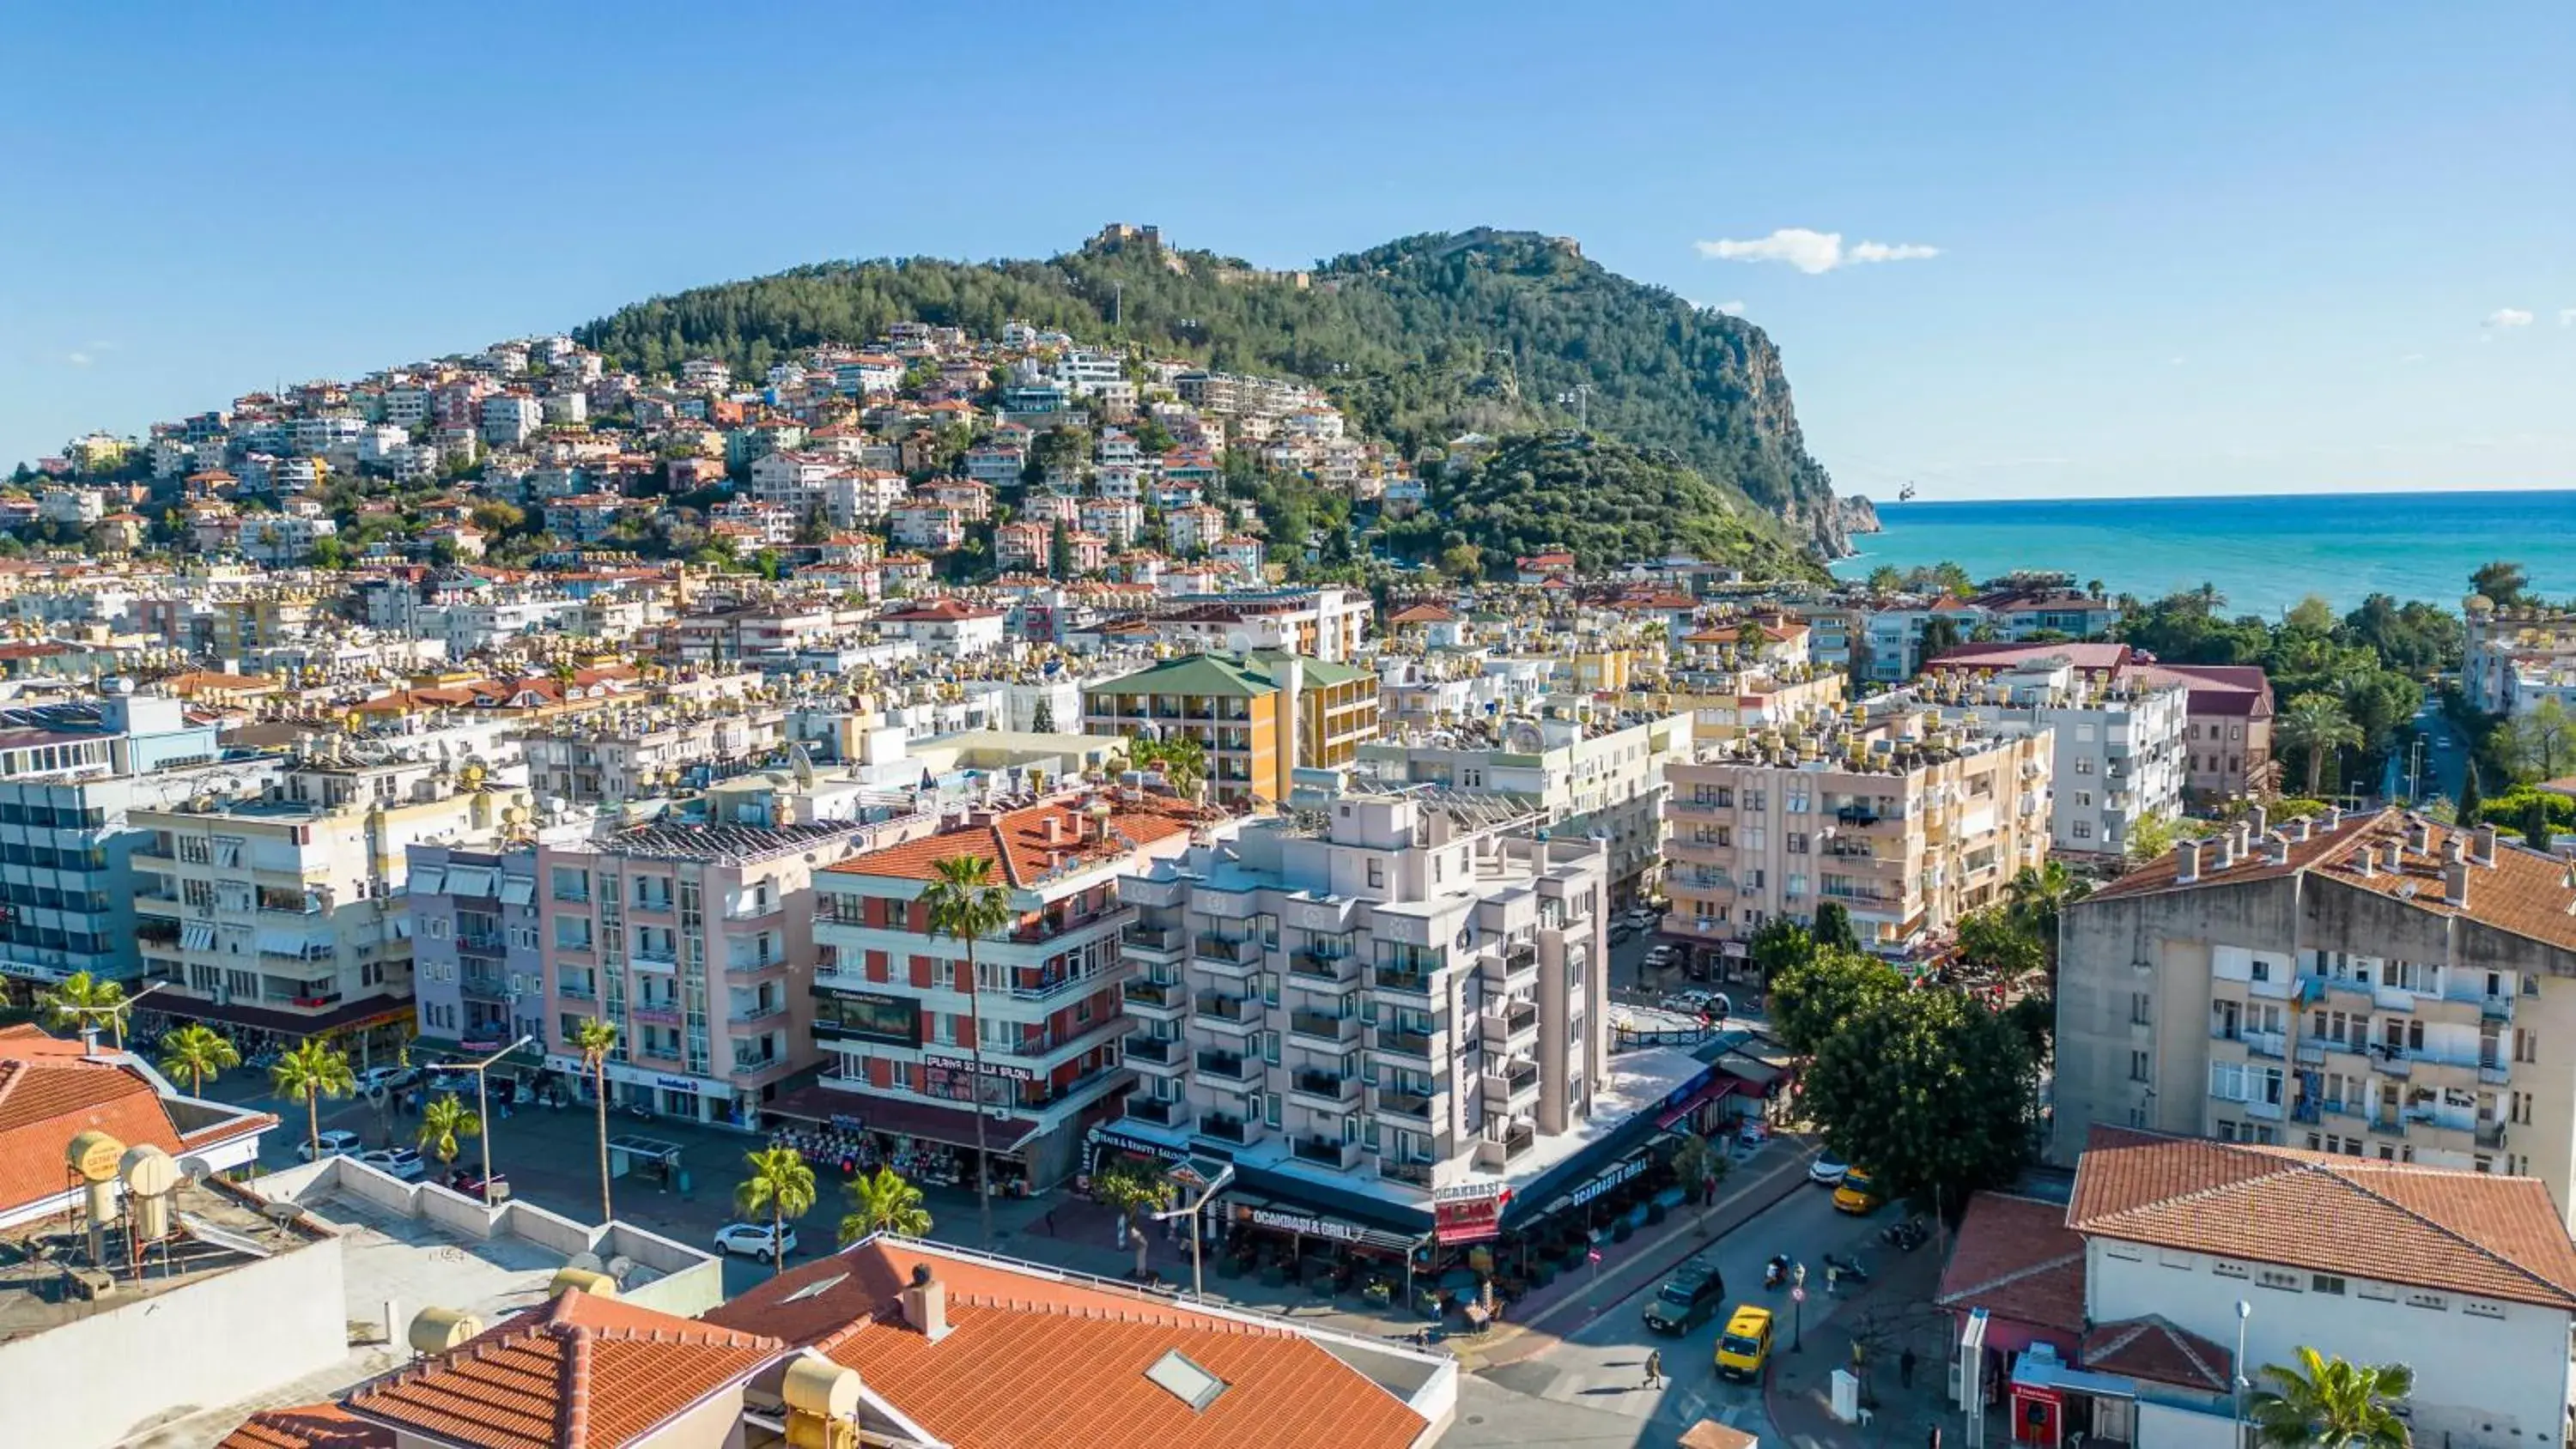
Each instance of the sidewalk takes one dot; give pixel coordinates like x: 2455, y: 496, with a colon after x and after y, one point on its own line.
x: 1892, y: 1314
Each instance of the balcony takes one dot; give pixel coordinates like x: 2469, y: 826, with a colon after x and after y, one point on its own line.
x: 658, y: 1015
x: 1141, y: 1108
x: 1398, y: 1041
x: 1225, y: 953
x: 490, y: 948
x: 1223, y: 1129
x: 1329, y: 968
x: 1326, y: 1151
x: 1154, y: 995
x: 754, y: 1066
x: 1409, y: 1105
x: 1331, y: 1089
x: 2490, y: 1135
x: 756, y: 910
x: 757, y: 1012
x: 1417, y: 1174
x: 1162, y: 940
x: 1402, y: 981
x: 1228, y: 1066
x: 1162, y: 1049
x: 1240, y: 1010
x: 478, y: 987
x: 1322, y: 1026
x: 756, y: 965
x: 1493, y: 1152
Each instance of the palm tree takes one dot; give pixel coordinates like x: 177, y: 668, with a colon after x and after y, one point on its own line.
x: 1134, y: 1192
x: 81, y: 996
x: 963, y: 904
x: 197, y: 1052
x: 781, y: 1185
x: 594, y: 1039
x: 2316, y: 725
x: 2326, y: 1401
x: 443, y: 1123
x: 882, y: 1202
x: 313, y: 1071
x: 2038, y: 895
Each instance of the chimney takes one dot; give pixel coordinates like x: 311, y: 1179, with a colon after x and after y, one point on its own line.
x: 2226, y: 856
x: 2454, y: 849
x: 2278, y: 846
x: 2419, y: 837
x: 2483, y: 852
x: 2334, y: 818
x: 2302, y: 829
x: 925, y: 1304
x: 2455, y: 883
x: 2258, y: 820
x: 2393, y: 856
x: 1051, y: 828
x: 2187, y: 862
x: 2368, y: 861
x: 2244, y: 834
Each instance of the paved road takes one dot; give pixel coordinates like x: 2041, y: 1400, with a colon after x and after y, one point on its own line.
x: 1601, y: 1364
x: 2446, y: 754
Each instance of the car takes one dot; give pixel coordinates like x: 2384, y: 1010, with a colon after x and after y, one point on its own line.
x: 1662, y: 956
x: 334, y: 1142
x: 1700, y: 1001
x: 386, y: 1077
x: 1639, y: 919
x: 400, y: 1162
x: 1688, y: 1299
x: 1856, y: 1194
x: 756, y: 1240
x: 1622, y: 932
x: 469, y: 1181
x: 1746, y: 1345
x: 1827, y: 1170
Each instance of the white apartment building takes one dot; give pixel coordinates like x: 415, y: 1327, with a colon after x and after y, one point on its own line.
x: 1908, y: 822
x: 511, y: 418
x: 2376, y: 986
x: 1589, y: 775
x: 1392, y: 995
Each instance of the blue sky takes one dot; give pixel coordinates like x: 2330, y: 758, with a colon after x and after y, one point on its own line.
x: 2180, y: 248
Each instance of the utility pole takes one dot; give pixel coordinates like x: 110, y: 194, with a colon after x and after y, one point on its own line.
x: 1117, y: 304
x: 1581, y: 397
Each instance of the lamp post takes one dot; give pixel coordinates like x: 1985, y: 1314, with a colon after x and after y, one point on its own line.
x: 113, y: 1012
x: 1798, y: 1308
x: 2244, y: 1311
x: 1215, y: 1184
x: 483, y: 1107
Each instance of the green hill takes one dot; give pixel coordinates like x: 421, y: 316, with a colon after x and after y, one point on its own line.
x: 1418, y: 340
x: 1606, y: 502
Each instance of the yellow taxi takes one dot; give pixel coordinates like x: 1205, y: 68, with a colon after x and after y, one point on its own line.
x: 1746, y: 1345
x: 1857, y: 1193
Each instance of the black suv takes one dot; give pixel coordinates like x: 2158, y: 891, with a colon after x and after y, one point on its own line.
x: 1688, y: 1299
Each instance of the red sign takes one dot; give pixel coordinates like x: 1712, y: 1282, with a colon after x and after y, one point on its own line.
x: 1468, y: 1219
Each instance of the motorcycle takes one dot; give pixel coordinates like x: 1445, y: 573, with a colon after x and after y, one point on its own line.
x: 1776, y: 1272
x: 1906, y: 1236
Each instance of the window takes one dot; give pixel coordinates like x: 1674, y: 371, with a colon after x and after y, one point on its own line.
x: 2281, y: 1279
x: 2480, y: 1308
x: 572, y: 933
x: 2140, y: 1067
x: 1376, y: 873
x: 2326, y: 1283
x: 2141, y: 1008
x: 2083, y: 829
x: 2434, y: 1301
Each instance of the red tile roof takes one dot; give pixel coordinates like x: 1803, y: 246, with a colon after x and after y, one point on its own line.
x: 581, y: 1372
x: 2017, y: 1259
x: 1031, y: 1358
x: 51, y: 1093
x: 314, y: 1426
x: 2153, y: 1348
x: 1019, y: 845
x: 2464, y: 1232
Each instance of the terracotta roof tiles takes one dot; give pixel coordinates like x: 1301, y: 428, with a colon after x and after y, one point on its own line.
x: 1020, y: 844
x: 50, y: 1093
x: 314, y: 1426
x: 2017, y: 1259
x: 2152, y: 1348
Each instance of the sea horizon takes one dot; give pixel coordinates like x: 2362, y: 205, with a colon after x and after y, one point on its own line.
x: 2263, y: 552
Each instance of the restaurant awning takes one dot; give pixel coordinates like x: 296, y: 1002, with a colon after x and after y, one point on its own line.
x: 349, y: 1016
x: 1254, y: 1210
x: 953, y: 1126
x: 1707, y: 1092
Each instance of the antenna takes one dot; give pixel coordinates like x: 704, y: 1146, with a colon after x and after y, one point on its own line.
x: 1581, y: 397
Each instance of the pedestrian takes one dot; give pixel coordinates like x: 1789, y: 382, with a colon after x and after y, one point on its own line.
x: 1654, y: 1368
x: 1905, y: 1368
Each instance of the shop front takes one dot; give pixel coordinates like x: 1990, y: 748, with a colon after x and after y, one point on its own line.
x: 372, y: 1031
x: 924, y: 1143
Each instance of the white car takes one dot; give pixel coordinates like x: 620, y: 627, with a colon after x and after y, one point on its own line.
x: 374, y: 1077
x: 1828, y: 1171
x: 336, y: 1142
x: 755, y: 1240
x: 1697, y: 1000
x: 400, y: 1162
x: 1662, y: 956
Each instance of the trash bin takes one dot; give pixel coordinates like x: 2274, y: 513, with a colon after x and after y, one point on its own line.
x: 684, y: 1182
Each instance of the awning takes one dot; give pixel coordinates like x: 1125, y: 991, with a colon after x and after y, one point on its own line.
x: 1393, y: 1219
x: 518, y: 890
x: 1707, y: 1092
x: 349, y: 1016
x: 427, y: 880
x: 954, y: 1126
x: 1252, y: 1210
x: 472, y: 880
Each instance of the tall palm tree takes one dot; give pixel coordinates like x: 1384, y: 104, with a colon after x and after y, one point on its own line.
x: 80, y: 996
x: 196, y: 1052
x: 964, y: 905
x: 882, y: 1202
x: 313, y: 1071
x: 780, y: 1185
x: 2038, y: 895
x: 595, y: 1039
x: 2329, y: 1402
x: 2316, y: 726
x: 444, y: 1124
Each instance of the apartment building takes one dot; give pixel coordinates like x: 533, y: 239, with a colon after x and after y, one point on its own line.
x: 2378, y: 986
x: 639, y: 753
x: 1588, y: 774
x: 1396, y: 998
x: 899, y: 1022
x: 1909, y: 822
x: 2227, y: 708
x: 2513, y: 655
x: 1260, y: 717
x: 283, y: 911
x: 478, y: 968
x: 1323, y: 623
x: 71, y: 776
x: 2119, y: 746
x: 697, y: 943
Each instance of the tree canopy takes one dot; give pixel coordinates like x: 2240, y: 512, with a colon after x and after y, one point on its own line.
x: 1933, y: 1092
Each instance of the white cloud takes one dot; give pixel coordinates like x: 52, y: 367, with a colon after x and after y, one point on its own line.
x: 2567, y: 316
x: 1813, y: 251
x: 2508, y: 317
x: 2412, y: 357
x: 2176, y: 361
x: 78, y: 359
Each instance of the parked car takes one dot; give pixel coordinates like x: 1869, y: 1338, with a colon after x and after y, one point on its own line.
x: 1688, y: 1299
x: 334, y: 1142
x: 1827, y: 1170
x: 1856, y: 1194
x: 1662, y: 956
x: 1641, y: 919
x: 1621, y: 932
x: 469, y: 1181
x: 1699, y: 1000
x: 402, y: 1162
x: 756, y: 1240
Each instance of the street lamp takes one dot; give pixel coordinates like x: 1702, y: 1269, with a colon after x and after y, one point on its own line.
x: 1798, y: 1308
x: 1224, y: 1175
x: 114, y: 1011
x: 483, y: 1107
x: 2244, y: 1311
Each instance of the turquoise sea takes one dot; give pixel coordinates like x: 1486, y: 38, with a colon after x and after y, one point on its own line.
x: 2264, y: 553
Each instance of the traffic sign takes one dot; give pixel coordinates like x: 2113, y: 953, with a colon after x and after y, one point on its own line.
x: 1594, y: 1255
x: 1797, y: 1295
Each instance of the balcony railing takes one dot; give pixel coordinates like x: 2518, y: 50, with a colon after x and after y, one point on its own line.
x: 1401, y: 980
x: 1229, y: 1008
x: 1313, y: 965
x: 1333, y: 1086
x: 1143, y: 1048
x: 1151, y: 938
x: 1402, y: 1042
x: 1228, y: 1065
x: 1142, y: 1108
x: 1154, y: 993
x: 1224, y: 1129
x: 1404, y: 1104
x: 1416, y: 1173
x: 1324, y: 1150
x: 1321, y: 1025
x: 1226, y: 950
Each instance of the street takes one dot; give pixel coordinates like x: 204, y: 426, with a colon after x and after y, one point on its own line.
x: 2445, y: 755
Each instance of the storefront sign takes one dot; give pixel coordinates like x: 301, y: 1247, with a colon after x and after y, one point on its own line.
x: 991, y: 1068
x: 1617, y: 1173
x: 1468, y: 1214
x: 1312, y: 1227
x: 677, y: 1084
x: 1144, y: 1146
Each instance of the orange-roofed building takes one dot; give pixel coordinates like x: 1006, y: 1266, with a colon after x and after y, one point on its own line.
x: 890, y: 1010
x: 52, y: 1090
x: 985, y: 1354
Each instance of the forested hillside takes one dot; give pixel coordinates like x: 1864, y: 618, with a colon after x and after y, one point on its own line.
x: 1418, y: 340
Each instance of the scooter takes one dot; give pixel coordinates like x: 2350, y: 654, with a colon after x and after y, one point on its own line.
x: 1776, y: 1272
x: 1907, y: 1235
